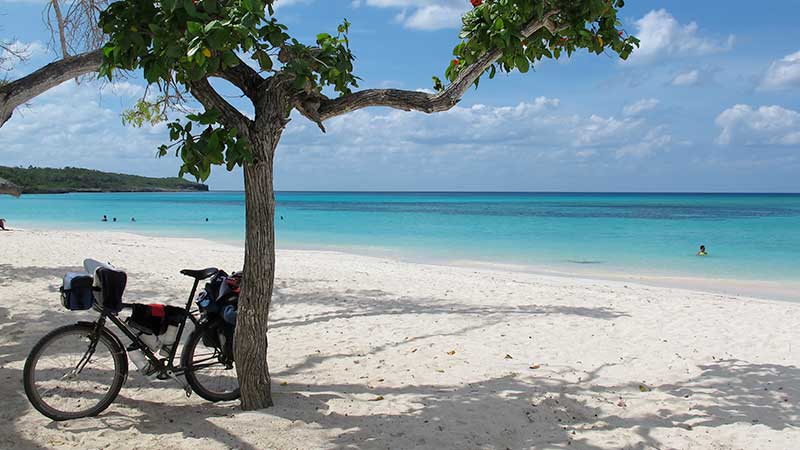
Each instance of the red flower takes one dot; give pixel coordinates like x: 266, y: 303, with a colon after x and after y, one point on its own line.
x: 455, y: 62
x: 476, y: 3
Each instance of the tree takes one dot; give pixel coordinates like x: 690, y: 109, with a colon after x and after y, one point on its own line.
x: 181, y: 44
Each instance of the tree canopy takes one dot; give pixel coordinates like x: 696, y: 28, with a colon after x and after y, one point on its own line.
x: 179, y: 43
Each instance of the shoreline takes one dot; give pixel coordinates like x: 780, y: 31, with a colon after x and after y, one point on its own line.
x: 778, y: 290
x: 760, y: 289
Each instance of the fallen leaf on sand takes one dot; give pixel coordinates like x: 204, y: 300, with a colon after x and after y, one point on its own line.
x: 376, y: 399
x: 440, y: 370
x: 644, y: 388
x: 535, y: 366
x: 451, y: 352
x: 284, y: 383
x: 509, y: 357
x: 412, y: 351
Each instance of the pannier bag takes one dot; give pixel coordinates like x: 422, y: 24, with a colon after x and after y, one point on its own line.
x: 220, y: 297
x: 76, y: 291
x: 157, y: 325
x: 109, y: 283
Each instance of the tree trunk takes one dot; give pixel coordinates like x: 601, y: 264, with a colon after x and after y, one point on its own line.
x: 250, y: 340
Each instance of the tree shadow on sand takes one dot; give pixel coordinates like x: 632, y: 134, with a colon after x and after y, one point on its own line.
x: 353, y: 304
x: 539, y: 411
x: 534, y: 409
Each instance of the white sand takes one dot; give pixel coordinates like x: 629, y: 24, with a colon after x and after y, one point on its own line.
x: 724, y: 371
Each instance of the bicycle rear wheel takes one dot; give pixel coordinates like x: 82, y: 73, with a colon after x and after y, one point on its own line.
x: 65, y: 379
x: 210, y: 372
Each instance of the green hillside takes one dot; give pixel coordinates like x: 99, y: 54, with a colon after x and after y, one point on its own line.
x: 37, y: 180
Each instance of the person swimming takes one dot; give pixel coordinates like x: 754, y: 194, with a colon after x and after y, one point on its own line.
x: 702, y: 251
x: 133, y: 219
x: 105, y: 219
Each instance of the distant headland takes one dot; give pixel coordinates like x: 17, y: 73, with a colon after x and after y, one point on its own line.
x: 41, y: 180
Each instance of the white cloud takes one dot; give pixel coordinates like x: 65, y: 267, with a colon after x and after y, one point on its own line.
x: 655, y: 139
x: 640, y: 106
x: 425, y: 14
x: 784, y: 73
x: 689, y: 78
x: 9, y: 56
x: 661, y: 35
x: 76, y: 125
x: 531, y: 130
x: 125, y: 89
x: 765, y: 125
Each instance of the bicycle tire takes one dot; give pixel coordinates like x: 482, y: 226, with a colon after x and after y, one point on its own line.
x: 193, y: 344
x: 116, y: 352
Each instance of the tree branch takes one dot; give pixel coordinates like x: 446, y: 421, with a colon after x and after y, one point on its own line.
x: 210, y: 99
x: 243, y: 77
x: 320, y: 108
x: 26, y: 88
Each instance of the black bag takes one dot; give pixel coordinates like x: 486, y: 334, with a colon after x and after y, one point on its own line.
x: 76, y: 291
x: 155, y: 318
x: 112, y: 284
x: 213, y: 285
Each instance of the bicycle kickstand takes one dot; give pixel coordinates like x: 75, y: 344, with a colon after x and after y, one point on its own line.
x: 186, y: 388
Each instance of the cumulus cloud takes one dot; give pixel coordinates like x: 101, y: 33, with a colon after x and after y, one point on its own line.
x: 783, y: 73
x: 12, y: 51
x: 124, y: 89
x: 640, y: 106
x: 75, y: 125
x: 688, y: 78
x: 655, y: 139
x: 424, y: 14
x: 662, y: 35
x: 531, y: 130
x: 765, y: 125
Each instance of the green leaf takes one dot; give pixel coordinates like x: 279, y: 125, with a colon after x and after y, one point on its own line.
x: 522, y: 63
x: 229, y: 59
x: 194, y: 28
x: 188, y: 5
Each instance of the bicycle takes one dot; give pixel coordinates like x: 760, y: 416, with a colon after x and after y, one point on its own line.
x: 78, y: 370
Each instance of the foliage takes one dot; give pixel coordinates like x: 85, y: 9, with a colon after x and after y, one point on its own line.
x: 588, y: 24
x: 183, y: 41
x: 179, y: 42
x: 198, y: 151
x: 71, y: 179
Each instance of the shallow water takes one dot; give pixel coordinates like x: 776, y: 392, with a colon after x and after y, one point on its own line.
x: 748, y: 236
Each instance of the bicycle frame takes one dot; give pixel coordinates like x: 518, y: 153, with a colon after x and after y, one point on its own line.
x: 163, y: 366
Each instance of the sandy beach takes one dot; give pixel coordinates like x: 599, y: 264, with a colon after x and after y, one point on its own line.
x: 375, y: 353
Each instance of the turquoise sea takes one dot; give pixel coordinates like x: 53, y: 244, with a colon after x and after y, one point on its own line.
x: 748, y: 236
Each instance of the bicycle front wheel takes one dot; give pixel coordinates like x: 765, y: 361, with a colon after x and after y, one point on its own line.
x: 209, y: 371
x: 67, y: 376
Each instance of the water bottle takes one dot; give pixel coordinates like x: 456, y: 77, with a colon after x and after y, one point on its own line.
x: 167, y: 339
x: 141, y: 362
x: 152, y: 341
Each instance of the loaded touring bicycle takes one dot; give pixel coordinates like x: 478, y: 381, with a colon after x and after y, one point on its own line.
x: 78, y: 370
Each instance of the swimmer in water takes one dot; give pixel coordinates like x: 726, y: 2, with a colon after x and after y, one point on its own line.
x: 702, y: 251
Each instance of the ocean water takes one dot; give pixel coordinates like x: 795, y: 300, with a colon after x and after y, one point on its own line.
x: 748, y: 236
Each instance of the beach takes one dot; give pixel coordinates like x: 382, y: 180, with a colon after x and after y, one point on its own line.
x: 374, y: 352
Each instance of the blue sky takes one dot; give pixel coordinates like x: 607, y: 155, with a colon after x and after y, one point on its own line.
x: 711, y: 102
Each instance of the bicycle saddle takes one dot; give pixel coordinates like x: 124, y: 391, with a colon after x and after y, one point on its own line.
x: 201, y: 274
